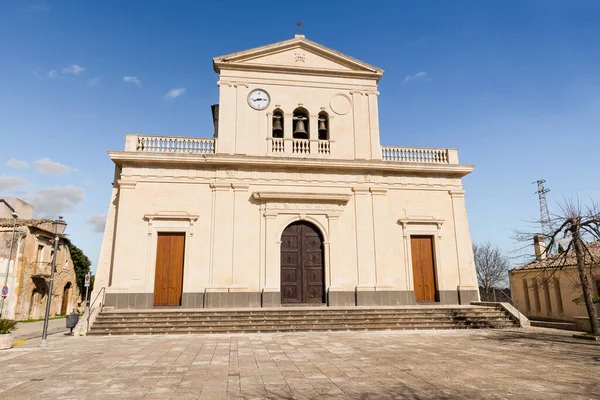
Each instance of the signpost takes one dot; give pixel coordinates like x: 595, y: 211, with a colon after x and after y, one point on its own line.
x: 87, y: 280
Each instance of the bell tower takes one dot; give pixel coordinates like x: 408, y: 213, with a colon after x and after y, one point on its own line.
x: 297, y: 98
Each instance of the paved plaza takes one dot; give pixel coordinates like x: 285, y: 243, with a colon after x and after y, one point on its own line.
x: 532, y: 363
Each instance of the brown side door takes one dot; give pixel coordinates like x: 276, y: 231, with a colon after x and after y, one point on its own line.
x: 168, y: 280
x: 423, y: 268
x: 302, y: 275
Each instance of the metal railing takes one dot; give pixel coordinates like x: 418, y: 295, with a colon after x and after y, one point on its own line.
x: 512, y: 302
x: 91, y: 307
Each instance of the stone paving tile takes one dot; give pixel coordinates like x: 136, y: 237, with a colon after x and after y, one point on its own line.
x: 534, y: 363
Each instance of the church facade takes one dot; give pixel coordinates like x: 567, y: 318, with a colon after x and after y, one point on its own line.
x: 293, y: 201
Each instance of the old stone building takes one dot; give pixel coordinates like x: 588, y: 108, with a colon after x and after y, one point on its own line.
x: 292, y: 201
x: 545, y: 288
x: 30, y: 265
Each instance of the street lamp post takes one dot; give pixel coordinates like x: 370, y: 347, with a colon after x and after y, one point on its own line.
x: 58, y: 228
x: 15, y: 216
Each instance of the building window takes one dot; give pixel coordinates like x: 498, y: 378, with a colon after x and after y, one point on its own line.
x: 323, y: 126
x: 277, y: 124
x: 300, y: 123
x: 40, y: 254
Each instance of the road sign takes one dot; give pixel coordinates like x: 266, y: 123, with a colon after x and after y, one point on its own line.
x: 87, y: 280
x: 5, y: 291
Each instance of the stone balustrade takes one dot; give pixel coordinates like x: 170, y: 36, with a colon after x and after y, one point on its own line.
x: 297, y: 147
x: 169, y: 144
x: 416, y: 155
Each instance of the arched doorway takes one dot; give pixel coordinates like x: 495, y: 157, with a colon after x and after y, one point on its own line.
x: 65, y: 298
x: 302, y: 267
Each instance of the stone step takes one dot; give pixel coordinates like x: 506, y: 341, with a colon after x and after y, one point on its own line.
x: 303, y: 328
x: 292, y: 317
x: 130, y: 321
x: 295, y: 313
x: 298, y: 320
x: 330, y: 323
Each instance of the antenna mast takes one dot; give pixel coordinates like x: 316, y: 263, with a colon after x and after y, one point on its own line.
x: 545, y: 221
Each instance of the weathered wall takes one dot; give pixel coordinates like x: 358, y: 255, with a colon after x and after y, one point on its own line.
x: 549, y: 294
x: 29, y: 274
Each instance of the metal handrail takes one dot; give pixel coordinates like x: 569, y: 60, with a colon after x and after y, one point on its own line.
x: 90, y: 307
x: 514, y: 303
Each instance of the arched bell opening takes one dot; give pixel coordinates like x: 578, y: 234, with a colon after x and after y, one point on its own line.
x: 323, y: 126
x: 300, y: 124
x: 302, y: 264
x: 277, y: 124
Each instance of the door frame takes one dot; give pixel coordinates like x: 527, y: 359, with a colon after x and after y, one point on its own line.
x: 418, y: 229
x: 185, y: 245
x: 168, y: 224
x: 436, y: 292
x: 324, y: 256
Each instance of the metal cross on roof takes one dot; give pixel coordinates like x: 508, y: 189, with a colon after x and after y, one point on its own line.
x: 299, y: 24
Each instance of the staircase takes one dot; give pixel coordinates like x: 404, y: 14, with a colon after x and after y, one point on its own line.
x: 160, y: 322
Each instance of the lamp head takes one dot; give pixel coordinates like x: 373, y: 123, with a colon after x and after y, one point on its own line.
x: 59, y: 226
x: 14, y: 215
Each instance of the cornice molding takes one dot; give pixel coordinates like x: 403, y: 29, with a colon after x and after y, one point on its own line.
x: 320, y: 197
x: 264, y: 162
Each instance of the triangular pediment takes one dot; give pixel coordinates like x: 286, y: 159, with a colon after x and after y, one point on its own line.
x: 296, y: 55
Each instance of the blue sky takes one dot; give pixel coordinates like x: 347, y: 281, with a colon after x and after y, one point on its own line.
x: 513, y: 84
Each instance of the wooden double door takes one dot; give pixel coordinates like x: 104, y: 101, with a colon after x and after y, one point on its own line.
x: 302, y: 267
x: 423, y: 268
x: 168, y: 280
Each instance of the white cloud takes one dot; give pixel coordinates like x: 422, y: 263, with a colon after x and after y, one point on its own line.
x: 38, y: 7
x: 132, y: 79
x: 73, y: 69
x: 18, y: 164
x: 97, y: 221
x: 424, y: 76
x: 174, y: 93
x: 94, y: 81
x: 53, y: 73
x: 50, y: 203
x: 47, y: 166
x: 7, y: 183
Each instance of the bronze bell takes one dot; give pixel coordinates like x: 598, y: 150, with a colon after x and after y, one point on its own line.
x: 322, y: 125
x: 300, y: 126
x: 277, y: 124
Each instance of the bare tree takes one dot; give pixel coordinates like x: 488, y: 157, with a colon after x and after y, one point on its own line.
x: 492, y: 268
x: 582, y: 226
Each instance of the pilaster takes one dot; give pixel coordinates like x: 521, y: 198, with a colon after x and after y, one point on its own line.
x: 222, y: 241
x: 364, y: 240
x: 467, y: 287
x: 240, y: 237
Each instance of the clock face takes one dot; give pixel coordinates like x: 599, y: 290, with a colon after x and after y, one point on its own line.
x: 259, y: 99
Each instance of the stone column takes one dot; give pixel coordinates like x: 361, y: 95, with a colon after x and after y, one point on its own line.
x: 222, y: 246
x: 271, y: 296
x: 314, y: 134
x: 468, y: 289
x: 288, y: 126
x: 225, y: 143
x: 240, y: 274
x: 374, y: 125
x: 336, y: 295
x: 364, y: 247
x: 362, y: 144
